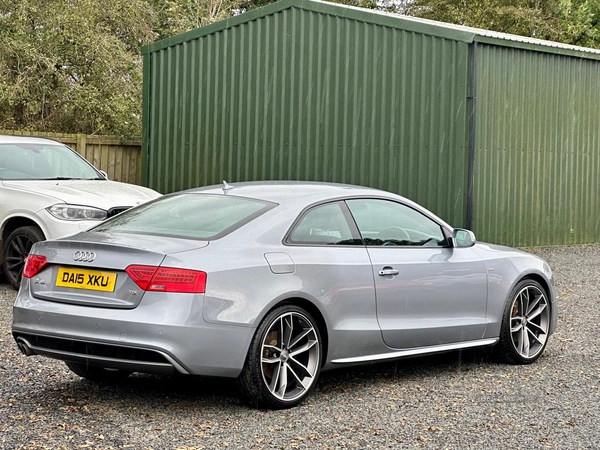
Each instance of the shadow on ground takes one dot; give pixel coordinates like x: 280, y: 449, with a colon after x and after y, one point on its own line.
x: 194, y: 391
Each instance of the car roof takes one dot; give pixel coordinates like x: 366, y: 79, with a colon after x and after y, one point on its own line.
x: 9, y: 139
x: 291, y: 191
x: 300, y: 194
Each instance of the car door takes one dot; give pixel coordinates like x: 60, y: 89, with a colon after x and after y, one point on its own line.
x: 335, y: 270
x: 427, y: 292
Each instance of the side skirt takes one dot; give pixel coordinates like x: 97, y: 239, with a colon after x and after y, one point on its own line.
x: 416, y: 351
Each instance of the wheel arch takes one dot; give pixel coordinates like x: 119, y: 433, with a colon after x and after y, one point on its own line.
x: 541, y: 280
x: 314, y: 311
x: 549, y: 290
x: 510, y: 348
x: 14, y: 222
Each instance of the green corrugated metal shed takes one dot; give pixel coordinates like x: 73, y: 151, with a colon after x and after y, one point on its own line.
x: 496, y: 132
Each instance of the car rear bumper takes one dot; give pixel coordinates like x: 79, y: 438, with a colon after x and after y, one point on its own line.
x: 165, y: 333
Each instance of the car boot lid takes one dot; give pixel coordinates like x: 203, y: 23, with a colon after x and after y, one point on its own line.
x: 131, y: 243
x: 94, y: 271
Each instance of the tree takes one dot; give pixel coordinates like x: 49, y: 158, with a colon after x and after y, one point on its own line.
x: 252, y: 4
x: 570, y: 21
x: 72, y: 65
x: 179, y: 16
x: 581, y: 22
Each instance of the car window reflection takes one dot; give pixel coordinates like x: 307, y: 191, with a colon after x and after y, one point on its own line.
x: 324, y: 225
x: 387, y: 223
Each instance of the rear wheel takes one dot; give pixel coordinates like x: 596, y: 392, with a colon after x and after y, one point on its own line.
x: 97, y: 374
x: 16, y: 248
x: 525, y: 325
x: 284, y: 359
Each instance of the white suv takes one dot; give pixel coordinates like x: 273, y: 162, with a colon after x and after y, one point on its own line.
x: 48, y: 191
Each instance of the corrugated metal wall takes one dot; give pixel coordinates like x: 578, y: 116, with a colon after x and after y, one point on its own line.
x: 310, y: 96
x: 537, y: 158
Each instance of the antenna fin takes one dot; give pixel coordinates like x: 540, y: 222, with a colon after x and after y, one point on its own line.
x: 226, y: 187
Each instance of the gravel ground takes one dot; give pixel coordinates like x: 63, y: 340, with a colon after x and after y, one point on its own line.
x: 457, y: 400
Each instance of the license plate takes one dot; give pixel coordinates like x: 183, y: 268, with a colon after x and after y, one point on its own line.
x: 93, y: 280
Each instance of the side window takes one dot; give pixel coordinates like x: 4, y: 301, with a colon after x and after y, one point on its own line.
x: 323, y: 225
x: 384, y: 222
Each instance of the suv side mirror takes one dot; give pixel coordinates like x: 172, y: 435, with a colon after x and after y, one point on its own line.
x: 463, y: 238
x: 104, y: 174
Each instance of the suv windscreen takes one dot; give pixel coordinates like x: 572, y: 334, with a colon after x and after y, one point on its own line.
x: 43, y: 162
x: 188, y: 215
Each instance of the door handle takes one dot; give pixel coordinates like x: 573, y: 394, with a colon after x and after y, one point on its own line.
x: 388, y: 271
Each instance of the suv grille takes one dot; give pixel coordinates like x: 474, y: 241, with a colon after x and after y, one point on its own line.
x: 114, y: 211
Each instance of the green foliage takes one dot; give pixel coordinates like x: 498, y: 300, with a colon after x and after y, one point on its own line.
x: 178, y: 16
x: 247, y: 5
x: 581, y: 22
x: 570, y: 21
x: 72, y: 65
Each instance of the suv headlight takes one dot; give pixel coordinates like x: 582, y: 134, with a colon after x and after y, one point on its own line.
x: 76, y: 212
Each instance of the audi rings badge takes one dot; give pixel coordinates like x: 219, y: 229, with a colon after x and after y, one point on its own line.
x: 84, y: 256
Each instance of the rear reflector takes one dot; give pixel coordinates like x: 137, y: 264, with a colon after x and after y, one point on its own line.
x: 168, y: 279
x: 33, y: 265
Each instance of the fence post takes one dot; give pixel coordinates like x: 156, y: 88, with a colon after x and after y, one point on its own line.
x: 81, y: 143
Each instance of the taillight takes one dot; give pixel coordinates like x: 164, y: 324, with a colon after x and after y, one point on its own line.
x: 33, y: 265
x: 167, y: 279
x: 142, y: 275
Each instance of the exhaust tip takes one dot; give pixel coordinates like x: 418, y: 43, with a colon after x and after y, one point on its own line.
x: 24, y: 347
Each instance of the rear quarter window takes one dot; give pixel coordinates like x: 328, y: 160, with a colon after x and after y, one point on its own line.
x: 323, y: 225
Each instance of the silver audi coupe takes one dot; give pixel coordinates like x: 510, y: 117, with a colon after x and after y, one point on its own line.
x: 273, y: 282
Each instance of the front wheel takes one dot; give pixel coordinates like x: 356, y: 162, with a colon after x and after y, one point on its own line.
x: 525, y: 324
x: 284, y: 359
x: 16, y: 250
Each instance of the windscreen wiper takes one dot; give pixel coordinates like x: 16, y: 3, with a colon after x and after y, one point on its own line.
x: 59, y: 178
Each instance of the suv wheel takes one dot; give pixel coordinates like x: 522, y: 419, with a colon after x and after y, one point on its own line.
x: 16, y: 249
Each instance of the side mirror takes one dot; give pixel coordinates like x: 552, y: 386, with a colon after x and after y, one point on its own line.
x: 463, y: 238
x: 104, y: 174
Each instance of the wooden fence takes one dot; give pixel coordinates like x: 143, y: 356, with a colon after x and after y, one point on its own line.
x: 120, y: 159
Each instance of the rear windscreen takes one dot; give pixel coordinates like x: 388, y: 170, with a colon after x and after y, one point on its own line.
x: 197, y: 216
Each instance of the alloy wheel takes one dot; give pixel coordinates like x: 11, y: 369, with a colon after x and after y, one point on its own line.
x: 290, y: 356
x: 529, y: 321
x: 18, y: 249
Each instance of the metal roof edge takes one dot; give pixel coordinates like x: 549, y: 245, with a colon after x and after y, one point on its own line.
x: 334, y: 9
x: 218, y: 26
x: 408, y: 23
x: 374, y: 16
x: 487, y: 36
x: 537, y: 47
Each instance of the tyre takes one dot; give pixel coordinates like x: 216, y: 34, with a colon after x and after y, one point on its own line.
x: 525, y: 324
x: 284, y: 359
x: 16, y: 249
x: 97, y: 374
